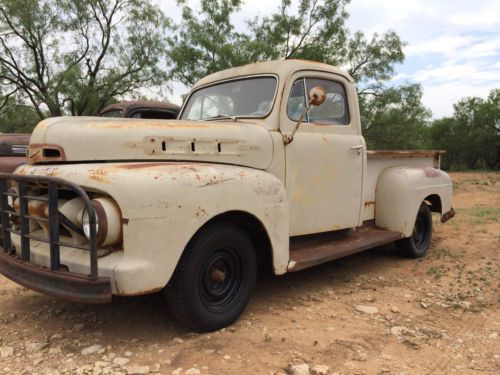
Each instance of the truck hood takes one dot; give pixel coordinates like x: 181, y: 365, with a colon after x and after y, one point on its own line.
x: 107, y: 139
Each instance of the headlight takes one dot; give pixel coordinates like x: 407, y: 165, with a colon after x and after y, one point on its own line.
x: 108, y: 222
x: 86, y: 223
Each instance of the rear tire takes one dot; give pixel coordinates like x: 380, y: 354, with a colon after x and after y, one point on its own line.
x: 214, y: 278
x: 418, y: 243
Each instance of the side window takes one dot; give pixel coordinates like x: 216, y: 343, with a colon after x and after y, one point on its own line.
x: 296, y: 101
x: 334, y: 110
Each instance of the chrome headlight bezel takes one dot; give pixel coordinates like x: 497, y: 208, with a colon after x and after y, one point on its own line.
x: 108, y: 222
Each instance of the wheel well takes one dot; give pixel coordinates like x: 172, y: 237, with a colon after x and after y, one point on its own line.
x: 434, y: 201
x: 255, y: 230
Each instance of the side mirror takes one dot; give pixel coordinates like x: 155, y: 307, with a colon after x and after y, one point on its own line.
x: 317, y: 95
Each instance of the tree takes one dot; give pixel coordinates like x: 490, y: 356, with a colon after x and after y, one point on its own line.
x: 471, y: 136
x: 16, y: 118
x: 315, y: 30
x: 73, y: 57
x: 395, y: 118
x: 206, y: 41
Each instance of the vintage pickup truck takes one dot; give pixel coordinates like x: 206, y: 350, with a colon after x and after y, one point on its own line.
x: 267, y: 165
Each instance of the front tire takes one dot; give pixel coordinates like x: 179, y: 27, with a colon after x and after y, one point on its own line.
x: 418, y: 243
x: 214, y: 278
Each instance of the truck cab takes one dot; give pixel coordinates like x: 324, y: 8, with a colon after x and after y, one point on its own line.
x: 266, y: 164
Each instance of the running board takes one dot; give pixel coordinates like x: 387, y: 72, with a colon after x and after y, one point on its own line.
x: 311, y: 250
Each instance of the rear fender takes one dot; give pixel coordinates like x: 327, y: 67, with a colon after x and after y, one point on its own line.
x: 400, y: 192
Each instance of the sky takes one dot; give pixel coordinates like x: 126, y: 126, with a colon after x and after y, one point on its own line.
x: 453, y: 46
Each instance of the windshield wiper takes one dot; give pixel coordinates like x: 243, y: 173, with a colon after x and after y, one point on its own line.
x: 220, y: 117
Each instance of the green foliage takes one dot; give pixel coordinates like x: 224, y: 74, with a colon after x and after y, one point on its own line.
x: 395, y: 118
x: 471, y: 136
x: 73, y: 57
x: 207, y: 42
x: 16, y: 118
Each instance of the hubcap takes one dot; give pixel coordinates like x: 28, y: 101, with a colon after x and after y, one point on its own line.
x: 221, y: 279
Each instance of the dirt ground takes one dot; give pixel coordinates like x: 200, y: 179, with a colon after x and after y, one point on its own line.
x: 436, y: 315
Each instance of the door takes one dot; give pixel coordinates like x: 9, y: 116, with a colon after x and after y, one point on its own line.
x: 324, y: 162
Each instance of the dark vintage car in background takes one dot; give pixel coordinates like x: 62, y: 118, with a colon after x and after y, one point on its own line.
x: 13, y: 146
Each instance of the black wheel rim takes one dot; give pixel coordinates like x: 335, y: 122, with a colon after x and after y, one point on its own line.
x: 221, y: 279
x: 420, y: 232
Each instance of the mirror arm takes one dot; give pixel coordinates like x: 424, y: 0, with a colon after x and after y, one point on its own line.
x: 288, y: 138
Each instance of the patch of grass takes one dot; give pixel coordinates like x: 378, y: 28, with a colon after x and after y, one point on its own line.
x: 440, y: 252
x: 437, y: 271
x: 482, y: 215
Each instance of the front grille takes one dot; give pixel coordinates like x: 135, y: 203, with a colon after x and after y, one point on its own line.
x: 18, y: 192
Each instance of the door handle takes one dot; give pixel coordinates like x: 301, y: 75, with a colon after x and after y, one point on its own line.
x: 356, y: 147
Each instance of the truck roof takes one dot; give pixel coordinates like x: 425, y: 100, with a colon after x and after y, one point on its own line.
x: 281, y: 68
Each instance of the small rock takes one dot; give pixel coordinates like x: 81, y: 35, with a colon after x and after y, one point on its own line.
x: 177, y: 340
x: 6, y: 351
x: 370, y: 299
x: 36, y: 347
x: 91, y: 349
x: 128, y: 354
x: 424, y: 305
x: 156, y: 367
x: 361, y: 356
x: 302, y: 369
x: 138, y: 370
x: 192, y: 371
x: 37, y: 361
x: 177, y: 371
x: 210, y: 351
x: 320, y: 370
x: 55, y: 350
x: 400, y: 331
x: 227, y: 357
x: 50, y: 371
x: 395, y: 309
x: 57, y: 336
x: 120, y: 361
x: 367, y: 309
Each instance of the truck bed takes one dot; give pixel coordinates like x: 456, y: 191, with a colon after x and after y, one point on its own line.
x: 379, y: 160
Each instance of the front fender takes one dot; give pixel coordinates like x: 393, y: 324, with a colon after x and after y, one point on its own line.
x: 165, y: 203
x: 401, y: 191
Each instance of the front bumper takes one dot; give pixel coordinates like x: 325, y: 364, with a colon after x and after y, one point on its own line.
x: 17, y: 260
x: 59, y: 284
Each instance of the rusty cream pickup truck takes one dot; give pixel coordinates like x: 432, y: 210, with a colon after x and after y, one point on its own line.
x: 266, y: 165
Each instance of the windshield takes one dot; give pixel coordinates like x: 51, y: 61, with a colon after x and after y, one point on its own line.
x: 249, y: 97
x: 113, y: 113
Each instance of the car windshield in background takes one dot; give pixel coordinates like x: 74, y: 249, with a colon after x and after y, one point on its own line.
x: 249, y: 97
x: 113, y: 113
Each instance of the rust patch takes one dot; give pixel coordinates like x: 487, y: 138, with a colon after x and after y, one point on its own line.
x: 201, y: 212
x: 215, y: 182
x: 154, y: 165
x: 404, y: 153
x: 99, y: 175
x: 36, y: 152
x: 432, y: 172
x: 448, y: 215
